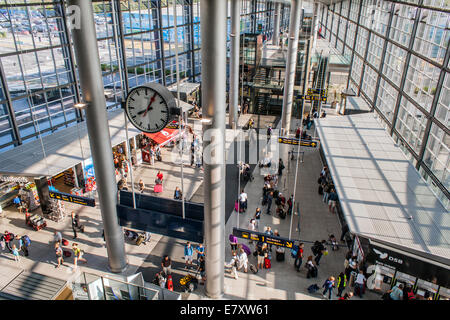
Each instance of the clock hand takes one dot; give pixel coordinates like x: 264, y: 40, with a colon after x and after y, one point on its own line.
x: 151, y: 101
x: 142, y: 111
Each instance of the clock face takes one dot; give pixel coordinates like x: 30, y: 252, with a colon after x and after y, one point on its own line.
x: 147, y: 109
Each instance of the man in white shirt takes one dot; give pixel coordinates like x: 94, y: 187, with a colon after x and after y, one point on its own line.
x: 359, y: 283
x: 243, y: 200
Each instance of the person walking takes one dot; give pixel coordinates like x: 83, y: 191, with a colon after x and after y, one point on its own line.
x: 318, y: 250
x: 243, y: 200
x: 359, y: 284
x: 57, y: 237
x: 141, y: 186
x: 233, y: 242
x: 270, y: 233
x: 269, y: 202
x: 18, y: 203
x: 202, y: 269
x: 299, y: 257
x: 312, y: 269
x: 290, y: 204
x: 177, y: 195
x: 15, y: 253
x: 188, y: 255
x: 74, y: 224
x: 166, y: 265
x: 234, y: 262
x: 7, y: 238
x: 24, y: 244
x: 280, y: 167
x: 341, y: 283
x: 243, y: 260
x: 332, y: 199
x: 328, y: 285
x: 257, y: 217
x: 59, y: 255
x: 200, y: 252
x: 77, y: 255
x: 262, y: 251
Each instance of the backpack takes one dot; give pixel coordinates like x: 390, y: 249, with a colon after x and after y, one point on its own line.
x: 26, y: 240
x: 294, y: 251
x: 313, y: 288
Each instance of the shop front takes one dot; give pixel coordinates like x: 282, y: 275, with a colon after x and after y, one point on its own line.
x: 387, y: 266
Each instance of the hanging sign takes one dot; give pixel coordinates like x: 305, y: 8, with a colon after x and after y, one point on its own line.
x: 294, y: 141
x: 312, y: 97
x: 258, y: 236
x: 72, y: 198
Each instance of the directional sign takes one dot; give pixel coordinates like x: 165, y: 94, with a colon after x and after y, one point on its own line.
x: 312, y: 98
x: 258, y: 236
x: 303, y: 143
x: 321, y: 92
x: 71, y: 198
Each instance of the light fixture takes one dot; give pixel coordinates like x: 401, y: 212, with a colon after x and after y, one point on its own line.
x: 80, y: 105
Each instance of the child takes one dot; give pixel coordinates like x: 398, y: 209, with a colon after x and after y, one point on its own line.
x: 15, y: 253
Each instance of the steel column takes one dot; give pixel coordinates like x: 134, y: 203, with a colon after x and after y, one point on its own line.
x: 88, y: 62
x: 354, y: 43
x: 291, y: 63
x: 383, y: 54
x: 234, y: 63
x: 9, y: 107
x: 213, y: 29
x: 433, y: 108
x: 405, y: 68
x: 315, y: 25
x: 276, y: 28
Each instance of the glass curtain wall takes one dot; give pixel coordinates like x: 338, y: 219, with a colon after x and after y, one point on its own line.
x: 400, y: 65
x: 136, y: 43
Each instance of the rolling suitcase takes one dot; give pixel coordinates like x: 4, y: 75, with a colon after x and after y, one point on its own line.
x: 267, y: 263
x: 169, y: 283
x: 158, y: 188
x: 280, y: 254
x: 67, y: 253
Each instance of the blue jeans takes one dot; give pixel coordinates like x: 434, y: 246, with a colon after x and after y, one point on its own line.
x: 329, y: 292
x: 325, y: 197
x: 358, y: 287
x: 297, y: 265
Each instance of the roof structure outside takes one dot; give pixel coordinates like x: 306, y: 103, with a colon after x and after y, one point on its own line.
x: 62, y: 149
x: 382, y: 195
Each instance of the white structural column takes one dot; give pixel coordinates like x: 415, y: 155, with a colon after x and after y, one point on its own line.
x: 213, y: 30
x: 291, y: 62
x: 315, y: 26
x: 276, y: 25
x: 91, y: 82
x: 234, y: 62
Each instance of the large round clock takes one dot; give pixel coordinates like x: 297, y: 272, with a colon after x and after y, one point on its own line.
x: 150, y: 107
